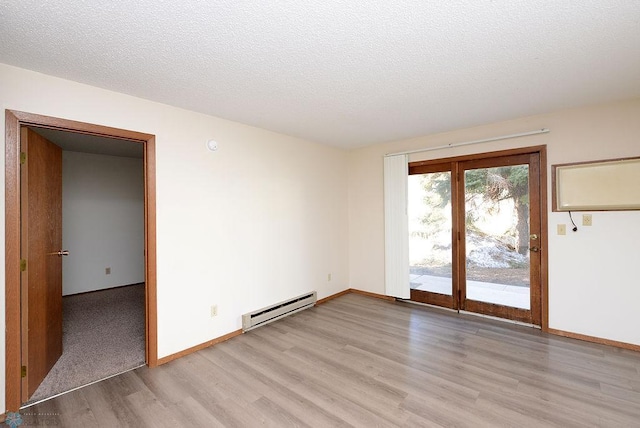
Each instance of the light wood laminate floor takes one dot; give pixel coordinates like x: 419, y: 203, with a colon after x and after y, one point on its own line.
x: 366, y: 362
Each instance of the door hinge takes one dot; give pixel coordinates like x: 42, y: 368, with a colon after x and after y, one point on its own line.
x: 23, y: 158
x: 23, y: 265
x: 23, y: 371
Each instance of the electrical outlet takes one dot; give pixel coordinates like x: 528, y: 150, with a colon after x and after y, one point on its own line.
x: 107, y: 271
x: 562, y: 229
x: 587, y: 220
x: 214, y: 311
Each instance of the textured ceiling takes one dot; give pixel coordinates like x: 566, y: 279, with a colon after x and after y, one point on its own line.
x: 345, y: 73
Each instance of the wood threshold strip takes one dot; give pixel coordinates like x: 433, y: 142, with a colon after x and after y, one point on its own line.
x: 594, y: 339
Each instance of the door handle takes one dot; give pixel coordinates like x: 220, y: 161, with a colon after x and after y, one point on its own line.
x: 63, y: 253
x: 534, y: 249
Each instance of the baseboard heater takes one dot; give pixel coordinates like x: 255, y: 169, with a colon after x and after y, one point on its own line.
x: 279, y: 310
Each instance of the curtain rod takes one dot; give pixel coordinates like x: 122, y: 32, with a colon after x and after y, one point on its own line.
x: 466, y: 143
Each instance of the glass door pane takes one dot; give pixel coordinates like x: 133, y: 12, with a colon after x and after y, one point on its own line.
x: 430, y: 245
x: 496, y: 224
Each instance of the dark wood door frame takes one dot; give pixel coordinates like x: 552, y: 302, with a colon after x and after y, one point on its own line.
x: 13, y: 121
x: 426, y: 166
x: 448, y: 301
x: 534, y: 314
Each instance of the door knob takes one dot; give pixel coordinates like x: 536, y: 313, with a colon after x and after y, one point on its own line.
x: 534, y: 249
x: 63, y: 253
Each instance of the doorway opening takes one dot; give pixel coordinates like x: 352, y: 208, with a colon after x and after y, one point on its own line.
x: 17, y: 313
x: 477, y: 228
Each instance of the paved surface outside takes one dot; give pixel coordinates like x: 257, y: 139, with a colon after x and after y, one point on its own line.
x: 500, y: 294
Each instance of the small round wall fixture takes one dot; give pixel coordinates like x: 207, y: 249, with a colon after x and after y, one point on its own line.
x: 212, y: 145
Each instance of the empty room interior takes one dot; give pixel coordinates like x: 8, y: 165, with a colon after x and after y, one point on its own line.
x: 320, y: 213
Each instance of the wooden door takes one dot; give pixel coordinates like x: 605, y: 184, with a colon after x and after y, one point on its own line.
x: 475, y: 238
x: 500, y: 234
x: 41, y: 240
x: 433, y: 244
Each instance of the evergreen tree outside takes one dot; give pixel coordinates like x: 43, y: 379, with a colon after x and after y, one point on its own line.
x: 499, y: 184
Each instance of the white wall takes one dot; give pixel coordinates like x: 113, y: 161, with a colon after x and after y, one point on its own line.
x: 262, y: 219
x: 102, y: 221
x: 267, y: 216
x: 593, y: 282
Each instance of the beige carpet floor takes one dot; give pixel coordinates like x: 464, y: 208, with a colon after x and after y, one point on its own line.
x: 103, y: 335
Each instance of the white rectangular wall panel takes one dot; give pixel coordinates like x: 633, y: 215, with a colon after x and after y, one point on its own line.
x: 396, y: 226
x: 594, y: 186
